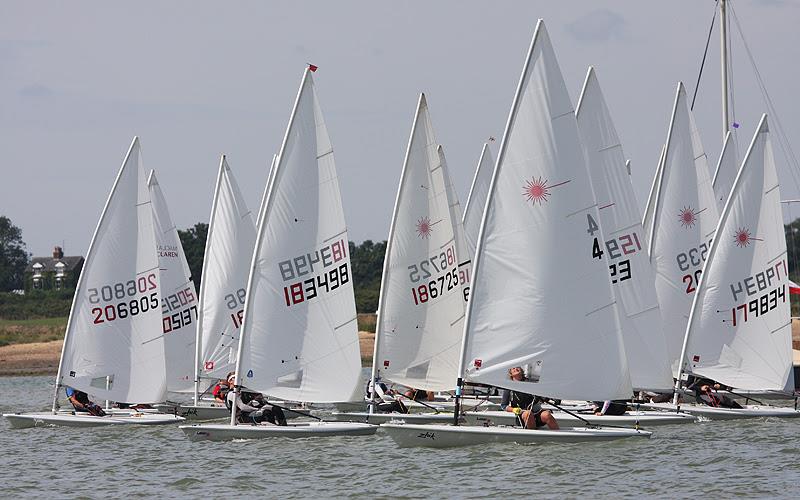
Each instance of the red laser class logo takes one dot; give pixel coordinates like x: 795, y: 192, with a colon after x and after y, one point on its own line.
x: 688, y: 217
x: 537, y: 190
x: 424, y: 227
x: 743, y: 238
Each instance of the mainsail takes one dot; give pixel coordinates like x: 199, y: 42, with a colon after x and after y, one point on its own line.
x: 421, y: 309
x: 299, y: 339
x: 114, y: 346
x: 630, y: 271
x: 179, y: 299
x: 229, y: 248
x: 541, y: 297
x: 739, y: 332
x: 476, y: 200
x: 462, y: 247
x: 685, y: 217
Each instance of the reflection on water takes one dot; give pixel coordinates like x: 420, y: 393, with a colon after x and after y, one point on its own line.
x: 749, y: 457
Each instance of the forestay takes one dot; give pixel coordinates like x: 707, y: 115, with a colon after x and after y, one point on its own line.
x: 229, y: 248
x: 725, y: 173
x: 685, y: 216
x: 540, y: 299
x: 114, y: 347
x: 631, y: 274
x: 476, y: 200
x: 299, y: 339
x: 740, y: 329
x: 178, y: 300
x: 421, y: 310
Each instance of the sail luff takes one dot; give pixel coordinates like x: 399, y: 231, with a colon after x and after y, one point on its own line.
x: 203, y: 282
x: 79, y: 285
x: 263, y: 212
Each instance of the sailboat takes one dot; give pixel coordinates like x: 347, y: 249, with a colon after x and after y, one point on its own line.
x: 114, y: 345
x: 533, y: 251
x: 739, y: 328
x: 179, y: 299
x: 684, y: 219
x: 229, y: 247
x: 422, y: 299
x: 298, y: 340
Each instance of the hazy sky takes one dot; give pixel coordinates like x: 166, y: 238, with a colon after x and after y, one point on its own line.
x: 195, y: 79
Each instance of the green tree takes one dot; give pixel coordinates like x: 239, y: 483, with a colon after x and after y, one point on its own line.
x: 367, y: 262
x: 13, y: 256
x: 193, y: 241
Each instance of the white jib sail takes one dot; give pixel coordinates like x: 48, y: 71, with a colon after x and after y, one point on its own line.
x: 740, y: 330
x: 114, y: 346
x: 229, y: 249
x: 178, y: 295
x: 725, y: 173
x: 421, y: 309
x: 540, y: 299
x: 299, y: 338
x: 476, y: 200
x: 630, y: 271
x: 685, y: 217
x: 462, y: 247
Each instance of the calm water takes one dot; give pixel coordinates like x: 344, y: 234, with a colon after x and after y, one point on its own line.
x: 743, y: 458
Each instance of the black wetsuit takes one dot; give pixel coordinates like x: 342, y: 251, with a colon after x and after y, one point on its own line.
x: 524, y: 401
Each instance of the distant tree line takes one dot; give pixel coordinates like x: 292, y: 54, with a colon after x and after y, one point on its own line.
x: 366, y: 260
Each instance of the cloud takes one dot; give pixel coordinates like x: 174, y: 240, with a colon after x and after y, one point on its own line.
x: 601, y: 25
x: 35, y: 91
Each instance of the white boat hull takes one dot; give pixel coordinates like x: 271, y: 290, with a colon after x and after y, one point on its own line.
x: 381, y: 418
x: 227, y: 432
x: 63, y: 419
x: 630, y: 418
x: 197, y: 412
x: 448, y: 436
x: 714, y: 413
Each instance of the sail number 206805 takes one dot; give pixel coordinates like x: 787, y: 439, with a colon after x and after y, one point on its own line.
x: 128, y: 299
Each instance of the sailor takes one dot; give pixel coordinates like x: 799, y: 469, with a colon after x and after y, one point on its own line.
x: 220, y: 390
x: 527, y: 407
x: 80, y: 401
x: 706, y: 393
x: 608, y: 407
x: 253, y: 408
x: 385, y: 400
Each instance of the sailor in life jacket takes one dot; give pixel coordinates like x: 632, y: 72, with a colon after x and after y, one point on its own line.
x: 385, y: 401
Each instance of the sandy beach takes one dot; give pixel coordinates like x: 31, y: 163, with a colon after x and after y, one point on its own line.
x: 41, y: 358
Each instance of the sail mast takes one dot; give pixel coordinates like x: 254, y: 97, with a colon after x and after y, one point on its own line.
x: 134, y: 144
x: 384, y: 287
x: 262, y: 217
x: 482, y: 230
x: 724, y: 65
x: 474, y: 181
x: 203, y: 284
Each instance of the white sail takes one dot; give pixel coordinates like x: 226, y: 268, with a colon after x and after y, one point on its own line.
x: 540, y: 300
x: 229, y: 248
x: 631, y: 274
x: 462, y: 247
x: 740, y: 330
x: 299, y: 338
x: 647, y: 217
x: 685, y: 217
x: 421, y: 309
x: 476, y: 200
x: 178, y: 295
x: 725, y: 173
x: 266, y: 187
x: 114, y: 346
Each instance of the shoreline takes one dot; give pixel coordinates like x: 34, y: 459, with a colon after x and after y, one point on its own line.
x: 41, y: 358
